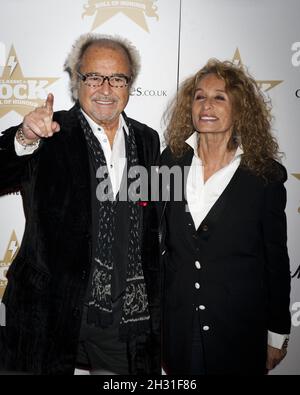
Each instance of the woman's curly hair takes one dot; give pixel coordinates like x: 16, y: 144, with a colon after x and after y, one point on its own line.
x: 251, y: 114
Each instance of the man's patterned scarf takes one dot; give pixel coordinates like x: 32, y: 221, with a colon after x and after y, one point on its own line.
x: 135, y: 312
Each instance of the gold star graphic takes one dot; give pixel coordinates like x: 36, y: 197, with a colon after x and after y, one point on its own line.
x: 135, y: 10
x: 19, y: 93
x: 264, y: 85
x: 12, y: 249
x: 297, y: 175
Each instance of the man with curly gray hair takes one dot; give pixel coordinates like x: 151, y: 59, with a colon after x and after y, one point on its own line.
x: 85, y: 283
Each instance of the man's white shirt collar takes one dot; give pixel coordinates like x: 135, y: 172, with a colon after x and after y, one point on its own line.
x: 94, y: 126
x: 115, y: 156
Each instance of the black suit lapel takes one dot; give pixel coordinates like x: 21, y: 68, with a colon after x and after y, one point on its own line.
x: 221, y: 206
x: 138, y: 140
x: 76, y: 157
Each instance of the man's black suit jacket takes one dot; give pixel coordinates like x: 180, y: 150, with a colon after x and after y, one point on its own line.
x: 47, y: 280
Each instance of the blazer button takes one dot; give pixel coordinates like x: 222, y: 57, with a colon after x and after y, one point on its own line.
x: 205, y: 228
x: 195, y: 236
x: 197, y: 285
x: 197, y: 264
x: 83, y: 274
x: 206, y: 328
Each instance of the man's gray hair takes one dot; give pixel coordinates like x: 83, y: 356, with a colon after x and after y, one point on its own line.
x: 74, y: 59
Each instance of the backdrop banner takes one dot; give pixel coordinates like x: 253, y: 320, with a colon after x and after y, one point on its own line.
x: 175, y: 38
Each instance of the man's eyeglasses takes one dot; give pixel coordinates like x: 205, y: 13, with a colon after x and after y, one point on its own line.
x: 94, y: 80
